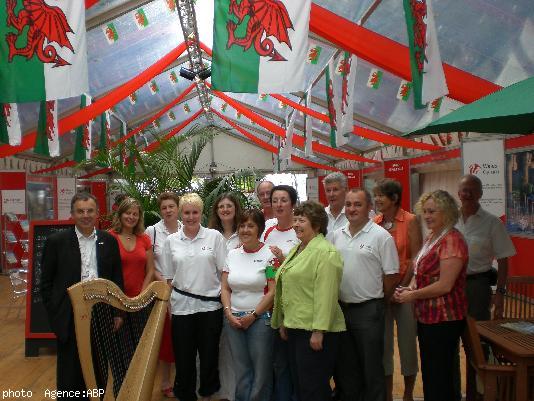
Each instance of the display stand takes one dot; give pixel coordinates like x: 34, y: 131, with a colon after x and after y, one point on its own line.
x: 38, y: 333
x: 15, y: 249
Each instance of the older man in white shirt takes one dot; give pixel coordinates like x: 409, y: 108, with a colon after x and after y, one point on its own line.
x: 486, y: 239
x: 335, y: 187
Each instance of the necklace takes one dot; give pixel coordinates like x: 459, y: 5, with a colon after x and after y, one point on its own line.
x: 388, y: 225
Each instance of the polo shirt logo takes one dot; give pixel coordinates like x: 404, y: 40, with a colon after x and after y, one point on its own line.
x: 258, y: 260
x: 206, y: 248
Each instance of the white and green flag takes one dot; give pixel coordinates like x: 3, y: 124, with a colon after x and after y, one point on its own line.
x: 428, y: 77
x: 47, y: 141
x: 286, y: 144
x: 344, y: 88
x: 10, y: 131
x: 260, y: 46
x: 43, y: 55
x: 140, y: 19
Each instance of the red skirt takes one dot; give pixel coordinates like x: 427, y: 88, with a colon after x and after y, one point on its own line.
x: 166, y: 353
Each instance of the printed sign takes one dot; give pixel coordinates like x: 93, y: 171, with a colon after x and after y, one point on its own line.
x: 400, y: 170
x: 66, y: 188
x: 14, y: 201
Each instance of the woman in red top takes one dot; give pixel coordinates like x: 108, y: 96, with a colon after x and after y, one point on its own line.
x: 135, y: 247
x: 438, y: 289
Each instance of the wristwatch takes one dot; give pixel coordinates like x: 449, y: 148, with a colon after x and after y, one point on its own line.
x: 253, y: 313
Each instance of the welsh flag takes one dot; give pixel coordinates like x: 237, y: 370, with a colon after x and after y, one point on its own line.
x: 141, y: 19
x: 435, y: 105
x: 260, y: 46
x: 171, y: 115
x: 47, y: 142
x: 132, y: 97
x: 427, y: 71
x: 308, y: 151
x: 346, y: 71
x: 187, y: 109
x: 404, y: 90
x: 82, y: 149
x: 375, y: 78
x: 171, y: 5
x: 111, y: 33
x: 173, y: 77
x: 43, y: 55
x: 153, y: 87
x: 10, y: 131
x: 286, y: 144
x: 263, y: 97
x: 105, y: 130
x: 333, y: 99
x: 314, y: 52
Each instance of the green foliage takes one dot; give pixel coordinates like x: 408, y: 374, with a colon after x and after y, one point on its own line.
x: 170, y: 167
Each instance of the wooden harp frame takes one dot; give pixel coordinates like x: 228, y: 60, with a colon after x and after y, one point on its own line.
x: 138, y: 382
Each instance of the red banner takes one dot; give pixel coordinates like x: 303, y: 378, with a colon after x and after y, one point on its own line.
x: 400, y: 170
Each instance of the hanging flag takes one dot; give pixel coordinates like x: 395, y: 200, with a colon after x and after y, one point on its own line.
x: 282, y: 105
x: 173, y: 77
x: 334, y: 108
x: 47, y: 142
x: 347, y: 70
x: 171, y: 5
x: 375, y: 78
x: 238, y: 115
x: 122, y: 133
x: 82, y: 149
x: 260, y: 46
x: 314, y: 52
x: 156, y: 123
x: 425, y: 61
x: 111, y: 33
x: 10, y: 131
x: 153, y: 87
x: 132, y: 97
x: 171, y: 115
x: 187, y: 109
x: 263, y: 97
x: 308, y: 151
x: 105, y: 131
x: 44, y: 51
x: 404, y: 90
x: 141, y: 19
x: 224, y: 106
x: 286, y: 145
x: 435, y: 105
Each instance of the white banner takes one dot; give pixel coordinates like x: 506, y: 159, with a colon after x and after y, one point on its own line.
x: 14, y: 201
x: 66, y: 188
x: 485, y: 159
x: 312, y: 188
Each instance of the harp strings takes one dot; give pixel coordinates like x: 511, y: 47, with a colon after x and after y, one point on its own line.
x: 112, y: 349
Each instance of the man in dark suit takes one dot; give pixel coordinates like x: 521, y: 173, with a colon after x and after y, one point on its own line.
x: 71, y: 256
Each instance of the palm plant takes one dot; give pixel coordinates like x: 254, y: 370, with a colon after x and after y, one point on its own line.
x: 169, y: 166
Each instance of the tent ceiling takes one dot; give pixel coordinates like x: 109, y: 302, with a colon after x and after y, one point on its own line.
x: 491, y: 39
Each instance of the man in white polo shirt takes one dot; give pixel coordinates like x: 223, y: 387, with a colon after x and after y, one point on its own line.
x: 335, y: 187
x: 486, y: 239
x: 370, y: 274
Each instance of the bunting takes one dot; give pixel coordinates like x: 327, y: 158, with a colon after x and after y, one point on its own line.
x: 105, y: 131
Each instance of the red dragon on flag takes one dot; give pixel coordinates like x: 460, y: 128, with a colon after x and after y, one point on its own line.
x: 7, y: 114
x: 265, y: 16
x: 50, y: 127
x: 419, y: 30
x: 47, y: 24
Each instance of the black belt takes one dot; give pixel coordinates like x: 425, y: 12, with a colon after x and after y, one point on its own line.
x: 355, y: 304
x: 477, y: 276
x: 196, y: 296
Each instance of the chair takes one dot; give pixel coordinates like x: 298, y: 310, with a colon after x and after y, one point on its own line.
x: 519, y: 297
x: 19, y: 282
x: 498, y: 380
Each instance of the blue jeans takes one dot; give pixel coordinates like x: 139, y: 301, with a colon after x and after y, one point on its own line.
x: 284, y: 388
x: 252, y: 355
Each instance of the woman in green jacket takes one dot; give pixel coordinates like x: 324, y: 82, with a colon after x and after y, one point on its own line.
x: 306, y: 309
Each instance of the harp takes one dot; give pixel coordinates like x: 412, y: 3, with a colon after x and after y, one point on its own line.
x: 120, y: 362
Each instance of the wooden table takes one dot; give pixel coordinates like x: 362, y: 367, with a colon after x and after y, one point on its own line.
x: 514, y: 346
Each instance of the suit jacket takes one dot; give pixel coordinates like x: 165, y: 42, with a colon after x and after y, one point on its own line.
x: 61, y: 267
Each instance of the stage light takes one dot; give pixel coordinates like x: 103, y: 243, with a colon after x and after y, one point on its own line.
x: 190, y: 75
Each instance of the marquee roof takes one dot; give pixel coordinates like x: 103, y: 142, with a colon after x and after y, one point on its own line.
x: 489, y: 39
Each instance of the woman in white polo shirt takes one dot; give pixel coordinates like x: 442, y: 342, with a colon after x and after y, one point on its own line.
x: 247, y: 274
x: 193, y: 259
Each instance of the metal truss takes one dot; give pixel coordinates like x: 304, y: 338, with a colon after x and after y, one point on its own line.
x: 188, y: 21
